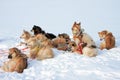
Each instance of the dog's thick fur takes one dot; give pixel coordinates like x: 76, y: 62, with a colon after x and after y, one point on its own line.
x: 65, y: 36
x: 40, y: 49
x: 109, y: 40
x: 17, y: 62
x: 59, y: 43
x: 79, y: 36
x: 87, y: 51
x: 38, y: 30
x: 25, y: 36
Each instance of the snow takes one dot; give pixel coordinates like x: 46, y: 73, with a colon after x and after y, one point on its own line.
x: 65, y: 65
x: 58, y: 16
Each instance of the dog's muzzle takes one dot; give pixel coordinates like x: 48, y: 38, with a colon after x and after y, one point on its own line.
x: 10, y: 56
x: 101, y: 39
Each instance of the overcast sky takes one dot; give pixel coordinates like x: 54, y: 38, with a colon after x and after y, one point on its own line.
x: 58, y: 16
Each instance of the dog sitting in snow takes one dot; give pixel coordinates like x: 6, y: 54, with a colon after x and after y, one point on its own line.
x: 79, y: 36
x: 17, y: 62
x: 87, y: 51
x: 38, y: 30
x: 82, y: 38
x: 109, y: 40
x: 39, y: 48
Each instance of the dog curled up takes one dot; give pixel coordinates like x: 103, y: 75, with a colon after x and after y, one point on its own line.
x: 17, y: 62
x: 39, y: 48
x: 85, y: 50
x: 38, y: 30
x: 59, y: 43
x: 108, y: 40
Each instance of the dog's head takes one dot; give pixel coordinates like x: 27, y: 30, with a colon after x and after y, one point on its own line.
x: 72, y: 46
x: 13, y: 52
x: 76, y: 28
x: 37, y: 30
x: 102, y: 34
x: 25, y: 34
x: 65, y: 36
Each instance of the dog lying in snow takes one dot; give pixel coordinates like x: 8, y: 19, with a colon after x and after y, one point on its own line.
x: 59, y: 43
x: 40, y: 49
x: 17, y: 62
x: 38, y: 30
x: 25, y: 36
x: 108, y: 40
x: 83, y: 49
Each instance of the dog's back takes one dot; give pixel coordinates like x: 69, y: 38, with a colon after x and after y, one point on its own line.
x: 110, y: 41
x: 87, y: 39
x: 50, y: 36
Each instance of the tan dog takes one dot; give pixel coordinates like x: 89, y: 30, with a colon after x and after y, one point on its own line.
x: 43, y: 40
x: 39, y: 48
x: 87, y: 51
x: 79, y: 36
x: 17, y: 62
x: 26, y: 36
x: 109, y: 40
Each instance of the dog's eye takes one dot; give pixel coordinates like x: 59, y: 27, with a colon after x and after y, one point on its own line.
x: 73, y: 44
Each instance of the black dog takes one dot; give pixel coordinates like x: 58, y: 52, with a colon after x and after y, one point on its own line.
x: 38, y: 30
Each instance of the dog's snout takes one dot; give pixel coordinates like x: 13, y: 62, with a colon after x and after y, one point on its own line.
x: 101, y: 39
x: 26, y: 44
x: 10, y: 56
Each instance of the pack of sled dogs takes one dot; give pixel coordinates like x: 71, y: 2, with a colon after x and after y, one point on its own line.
x: 41, y: 43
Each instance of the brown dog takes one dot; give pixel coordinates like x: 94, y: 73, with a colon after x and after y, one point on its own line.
x: 17, y: 62
x: 60, y: 43
x: 109, y: 40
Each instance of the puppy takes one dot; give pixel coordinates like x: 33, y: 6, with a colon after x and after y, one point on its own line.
x: 39, y: 49
x: 17, y: 62
x: 83, y: 49
x: 109, y: 40
x: 38, y: 30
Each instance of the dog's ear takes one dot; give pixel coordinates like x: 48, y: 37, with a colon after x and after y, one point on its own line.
x: 23, y: 30
x: 98, y: 32
x: 75, y: 22
x: 105, y: 31
x: 16, y: 50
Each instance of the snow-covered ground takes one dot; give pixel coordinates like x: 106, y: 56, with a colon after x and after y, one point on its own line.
x: 58, y: 16
x: 65, y: 65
